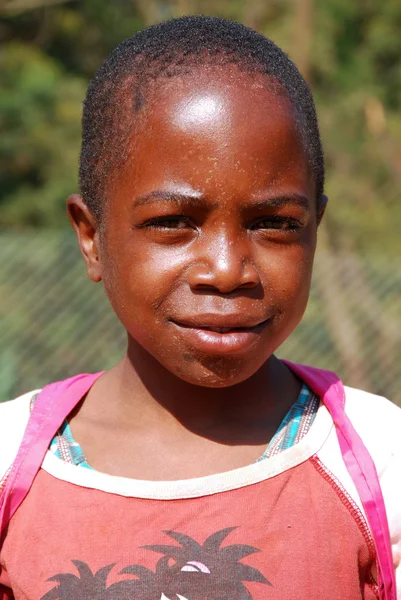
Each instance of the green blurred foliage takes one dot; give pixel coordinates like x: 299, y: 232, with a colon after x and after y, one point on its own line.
x: 40, y: 112
x: 49, y: 53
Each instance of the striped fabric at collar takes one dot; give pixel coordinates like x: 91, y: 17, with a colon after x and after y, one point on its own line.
x: 293, y: 428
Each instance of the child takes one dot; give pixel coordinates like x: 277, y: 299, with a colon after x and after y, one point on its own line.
x: 200, y: 466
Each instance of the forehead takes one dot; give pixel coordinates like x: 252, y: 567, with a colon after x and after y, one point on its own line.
x: 216, y: 129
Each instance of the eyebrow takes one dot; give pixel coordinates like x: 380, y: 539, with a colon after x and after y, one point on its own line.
x: 179, y: 198
x: 196, y: 199
x: 282, y: 200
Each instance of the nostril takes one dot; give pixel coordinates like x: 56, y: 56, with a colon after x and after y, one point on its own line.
x: 223, y: 275
x: 200, y: 276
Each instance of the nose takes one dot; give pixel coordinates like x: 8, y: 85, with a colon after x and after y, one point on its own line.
x: 224, y: 266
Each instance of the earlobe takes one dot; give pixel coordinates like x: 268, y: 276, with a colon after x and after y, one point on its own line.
x: 87, y: 232
x: 321, y: 207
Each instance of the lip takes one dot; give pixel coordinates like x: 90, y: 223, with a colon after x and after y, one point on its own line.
x: 219, y: 321
x: 222, y: 335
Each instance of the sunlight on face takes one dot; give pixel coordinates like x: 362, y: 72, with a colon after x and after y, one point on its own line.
x: 228, y: 141
x: 198, y: 111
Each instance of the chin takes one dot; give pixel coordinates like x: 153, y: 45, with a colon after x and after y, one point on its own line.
x: 217, y: 372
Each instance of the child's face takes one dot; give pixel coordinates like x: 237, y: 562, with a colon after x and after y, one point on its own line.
x: 211, y: 224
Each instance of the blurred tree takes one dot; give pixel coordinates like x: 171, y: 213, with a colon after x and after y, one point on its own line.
x: 14, y: 7
x: 46, y: 59
x: 355, y: 74
x: 40, y: 119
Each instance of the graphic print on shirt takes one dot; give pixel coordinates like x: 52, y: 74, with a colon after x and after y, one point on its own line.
x: 189, y: 571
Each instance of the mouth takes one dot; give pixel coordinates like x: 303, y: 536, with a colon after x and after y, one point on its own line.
x: 222, y: 335
x: 221, y: 323
x: 227, y: 329
x: 223, y: 329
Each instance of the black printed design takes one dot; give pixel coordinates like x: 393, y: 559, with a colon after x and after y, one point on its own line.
x: 87, y: 585
x: 189, y: 571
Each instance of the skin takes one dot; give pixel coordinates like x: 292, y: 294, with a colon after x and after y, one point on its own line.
x: 211, y: 222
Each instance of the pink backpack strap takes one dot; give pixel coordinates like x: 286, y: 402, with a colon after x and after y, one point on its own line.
x: 361, y: 468
x: 51, y: 408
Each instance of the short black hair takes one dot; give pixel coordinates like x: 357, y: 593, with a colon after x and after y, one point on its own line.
x: 172, y: 48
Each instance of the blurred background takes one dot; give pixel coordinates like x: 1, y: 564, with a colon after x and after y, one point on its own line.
x: 55, y: 323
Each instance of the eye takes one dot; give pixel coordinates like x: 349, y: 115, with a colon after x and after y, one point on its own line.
x: 278, y: 223
x: 195, y: 566
x: 168, y: 222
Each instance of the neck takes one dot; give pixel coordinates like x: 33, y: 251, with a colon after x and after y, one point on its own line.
x: 143, y: 389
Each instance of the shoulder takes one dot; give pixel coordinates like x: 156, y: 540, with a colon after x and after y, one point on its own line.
x: 14, y: 416
x: 359, y: 400
x: 378, y: 422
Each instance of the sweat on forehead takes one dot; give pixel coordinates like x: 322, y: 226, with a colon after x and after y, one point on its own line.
x: 176, y: 48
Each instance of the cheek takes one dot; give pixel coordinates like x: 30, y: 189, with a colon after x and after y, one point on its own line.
x: 138, y: 277
x: 286, y: 277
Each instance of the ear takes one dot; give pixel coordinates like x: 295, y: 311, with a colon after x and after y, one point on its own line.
x: 321, y: 208
x: 87, y: 231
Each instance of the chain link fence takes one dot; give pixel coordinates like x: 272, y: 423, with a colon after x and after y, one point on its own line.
x: 55, y: 323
